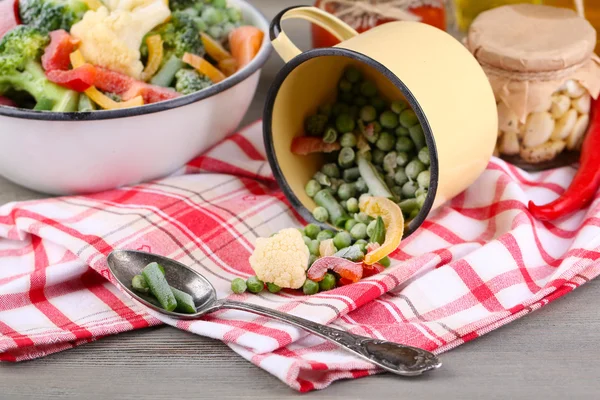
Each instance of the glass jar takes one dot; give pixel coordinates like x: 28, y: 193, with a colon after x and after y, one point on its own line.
x: 363, y: 15
x: 543, y: 79
x: 465, y: 11
x: 590, y: 9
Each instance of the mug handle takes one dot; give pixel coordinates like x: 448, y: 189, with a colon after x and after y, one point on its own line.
x: 282, y: 43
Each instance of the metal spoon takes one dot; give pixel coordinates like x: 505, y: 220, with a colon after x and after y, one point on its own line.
x: 393, y: 357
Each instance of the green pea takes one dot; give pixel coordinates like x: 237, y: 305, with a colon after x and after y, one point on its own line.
x: 255, y: 285
x: 346, y: 191
x: 397, y: 191
x: 402, y: 159
x: 418, y: 136
x: 409, y: 189
x: 324, y: 235
x: 322, y: 179
x: 342, y: 240
x: 388, y: 120
x: 352, y: 74
x: 408, y: 118
x: 321, y: 214
x: 238, y: 286
x: 346, y: 157
x: 345, y: 86
x: 390, y: 162
x: 398, y: 106
x: 361, y: 186
x: 402, y: 131
x: 311, y: 188
x: 311, y: 231
x: 273, y: 288
x: 339, y: 109
x: 352, y: 205
x: 378, y: 156
x: 385, y: 261
x: 378, y: 103
x: 346, y: 97
x: 421, y: 198
x: 313, y: 247
x: 348, y: 140
x: 368, y: 113
x: 344, y: 123
x: 371, y: 227
x: 421, y: 191
x: 368, y: 89
x: 312, y: 259
x: 362, y: 245
x: 350, y: 224
x: 327, y: 283
x: 359, y: 231
x: 331, y: 170
x: 404, y: 144
x: 386, y: 141
x: 424, y: 155
x: 351, y: 174
x: 362, y: 217
x: 400, y: 177
x: 414, y: 168
x: 326, y: 109
x: 310, y: 287
x: 330, y: 135
x: 423, y: 179
x: 360, y: 101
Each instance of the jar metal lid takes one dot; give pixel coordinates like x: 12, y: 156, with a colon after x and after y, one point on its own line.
x: 531, y: 38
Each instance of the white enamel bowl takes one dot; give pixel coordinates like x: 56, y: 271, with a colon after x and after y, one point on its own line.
x: 74, y: 153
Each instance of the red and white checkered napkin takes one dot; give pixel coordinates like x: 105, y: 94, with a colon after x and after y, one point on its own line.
x: 476, y: 264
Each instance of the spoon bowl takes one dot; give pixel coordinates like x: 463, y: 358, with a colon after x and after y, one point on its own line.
x: 396, y: 358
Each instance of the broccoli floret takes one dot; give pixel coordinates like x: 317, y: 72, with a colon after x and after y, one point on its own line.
x: 176, y: 5
x: 190, y: 81
x: 50, y: 15
x: 21, y: 71
x: 315, y: 124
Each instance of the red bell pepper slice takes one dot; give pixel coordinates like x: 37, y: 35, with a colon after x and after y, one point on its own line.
x: 129, y: 88
x: 9, y: 16
x: 344, y: 268
x: 370, y: 270
x: 79, y: 79
x: 304, y: 145
x: 4, y: 101
x: 56, y: 56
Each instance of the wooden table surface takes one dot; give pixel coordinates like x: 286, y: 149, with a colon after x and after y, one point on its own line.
x: 551, y: 354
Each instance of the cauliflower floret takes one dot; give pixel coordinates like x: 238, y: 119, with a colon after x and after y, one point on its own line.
x: 281, y: 259
x: 113, y: 39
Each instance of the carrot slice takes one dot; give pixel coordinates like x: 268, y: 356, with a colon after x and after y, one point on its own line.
x: 228, y: 66
x: 214, y: 48
x: 204, y: 67
x: 155, y: 56
x: 245, y: 43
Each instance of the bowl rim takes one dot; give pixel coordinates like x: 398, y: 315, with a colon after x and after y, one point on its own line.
x: 397, y: 81
x: 254, y: 66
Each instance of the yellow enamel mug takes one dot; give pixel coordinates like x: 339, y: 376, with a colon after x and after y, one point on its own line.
x: 434, y: 72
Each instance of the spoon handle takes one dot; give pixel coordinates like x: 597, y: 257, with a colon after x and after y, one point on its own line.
x: 393, y: 357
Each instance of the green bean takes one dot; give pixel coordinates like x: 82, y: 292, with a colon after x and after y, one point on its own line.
x: 85, y: 104
x: 346, y: 191
x: 348, y: 140
x: 409, y: 189
x: 326, y: 109
x: 327, y: 283
x: 310, y: 287
x: 386, y: 141
x: 185, y: 302
x: 388, y: 120
x: 335, y: 184
x: 368, y: 113
x: 400, y: 177
x: 273, y: 288
x: 165, y: 76
x: 344, y: 123
x: 138, y: 283
x: 398, y: 106
x: 424, y: 155
x: 255, y: 285
x: 408, y: 205
x: 313, y: 247
x: 368, y: 89
x: 385, y: 262
x: 337, y: 214
x: 324, y: 235
x: 238, y: 286
x: 311, y: 231
x: 159, y: 287
x: 331, y: 170
x: 408, y: 118
x: 423, y: 179
x: 404, y: 144
x: 311, y: 188
x: 402, y: 131
x: 360, y: 101
x: 378, y: 156
x: 361, y: 186
x: 351, y: 174
x: 359, y: 231
x: 342, y: 240
x: 322, y: 179
x: 378, y: 103
x: 378, y: 232
x: 352, y: 74
x: 362, y: 245
x: 402, y: 159
x: 330, y: 135
x: 418, y: 136
x: 352, y: 205
x: 414, y: 168
x: 339, y: 109
x: 376, y: 186
x: 345, y: 86
x: 321, y: 214
x: 350, y: 224
x: 390, y: 162
x: 346, y: 157
x: 361, y: 217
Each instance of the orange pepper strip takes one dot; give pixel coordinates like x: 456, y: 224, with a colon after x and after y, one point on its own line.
x: 97, y: 96
x: 228, y: 66
x: 155, y: 56
x: 214, y: 48
x: 393, y: 220
x: 204, y: 67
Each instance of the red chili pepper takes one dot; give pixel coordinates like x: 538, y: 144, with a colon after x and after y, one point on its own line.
x: 586, y: 182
